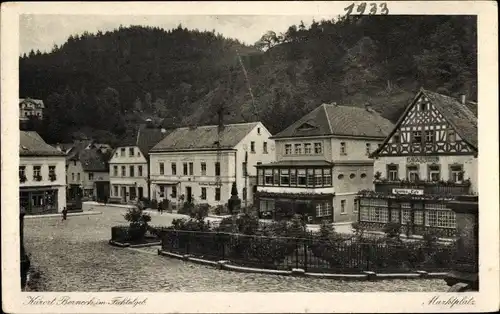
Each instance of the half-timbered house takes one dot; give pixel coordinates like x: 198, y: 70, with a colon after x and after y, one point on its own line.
x: 428, y: 159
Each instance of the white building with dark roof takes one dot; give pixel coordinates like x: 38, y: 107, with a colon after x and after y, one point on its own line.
x: 201, y: 163
x: 322, y: 162
x: 42, y: 177
x: 30, y: 108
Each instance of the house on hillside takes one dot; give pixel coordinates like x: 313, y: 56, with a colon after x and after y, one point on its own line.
x: 88, y: 172
x: 42, y: 180
x: 428, y: 159
x: 30, y: 108
x: 201, y: 163
x: 322, y: 162
x: 129, y: 164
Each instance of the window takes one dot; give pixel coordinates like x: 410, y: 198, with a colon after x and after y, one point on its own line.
x: 327, y: 177
x: 441, y: 218
x: 191, y: 168
x: 301, y: 177
x: 72, y: 176
x: 22, y: 171
x: 139, y: 171
x: 185, y: 168
x: 260, y: 177
x: 434, y: 173
x: 307, y: 148
x: 131, y: 152
x: 340, y: 176
x: 318, y: 177
x: 217, y: 194
x: 268, y: 177
x: 252, y: 147
x: 131, y: 171
x: 266, y: 205
x: 52, y: 171
x: 124, y: 171
x: 264, y: 148
x: 91, y: 176
x: 162, y: 168
x: 352, y: 176
x: 429, y: 136
x: 78, y: 176
x: 323, y: 209
x: 293, y: 177
x: 342, y: 206
x: 174, y: 168
x: 284, y: 177
x: 343, y: 148
x: 217, y: 168
x: 115, y: 171
x: 392, y: 172
x: 452, y: 137
x: 417, y: 137
x: 276, y: 177
x: 174, y: 191
x: 115, y: 190
x: 423, y: 106
x: 203, y: 193
x: 122, y: 152
x: 412, y: 173
x: 288, y: 149
x: 298, y: 149
x: 368, y: 148
x: 395, y: 138
x: 310, y: 177
x: 244, y: 168
x: 363, y: 175
x: 317, y: 148
x: 456, y: 173
x: 355, y: 206
x: 258, y: 131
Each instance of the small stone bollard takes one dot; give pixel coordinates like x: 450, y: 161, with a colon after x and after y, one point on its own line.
x: 220, y: 264
x: 422, y: 273
x: 371, y: 275
x: 298, y: 272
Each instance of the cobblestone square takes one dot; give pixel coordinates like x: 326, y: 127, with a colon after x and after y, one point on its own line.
x: 74, y: 256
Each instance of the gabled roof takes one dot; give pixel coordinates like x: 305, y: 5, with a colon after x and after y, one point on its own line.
x: 204, y: 137
x: 331, y: 119
x: 37, y: 102
x: 93, y: 160
x: 78, y: 146
x: 32, y: 144
x: 461, y: 116
x: 145, y: 138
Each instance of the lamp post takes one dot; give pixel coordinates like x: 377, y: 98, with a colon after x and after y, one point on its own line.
x: 25, y: 261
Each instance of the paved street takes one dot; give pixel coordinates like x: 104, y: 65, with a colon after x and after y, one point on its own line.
x: 75, y: 256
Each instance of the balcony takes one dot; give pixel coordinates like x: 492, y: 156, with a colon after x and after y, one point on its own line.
x: 428, y: 187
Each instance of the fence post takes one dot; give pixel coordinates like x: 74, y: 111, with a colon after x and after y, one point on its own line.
x: 296, y: 253
x: 223, y: 243
x: 368, y: 253
x: 305, y: 254
x: 188, y: 242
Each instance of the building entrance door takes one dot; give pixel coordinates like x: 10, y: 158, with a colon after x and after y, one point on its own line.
x: 189, y: 196
x: 141, y: 192
x: 124, y: 193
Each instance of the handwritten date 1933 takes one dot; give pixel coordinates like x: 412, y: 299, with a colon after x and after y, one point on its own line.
x: 367, y: 8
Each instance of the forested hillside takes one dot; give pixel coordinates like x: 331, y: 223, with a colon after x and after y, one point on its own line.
x: 103, y: 84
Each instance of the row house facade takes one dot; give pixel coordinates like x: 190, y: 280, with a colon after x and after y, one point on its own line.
x: 129, y: 165
x: 201, y: 163
x: 322, y: 162
x: 42, y: 180
x: 428, y: 159
x: 88, y: 172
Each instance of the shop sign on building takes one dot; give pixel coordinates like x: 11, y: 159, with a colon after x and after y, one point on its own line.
x: 407, y: 191
x: 422, y: 159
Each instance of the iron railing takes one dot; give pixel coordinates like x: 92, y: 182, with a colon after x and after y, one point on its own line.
x: 312, y: 255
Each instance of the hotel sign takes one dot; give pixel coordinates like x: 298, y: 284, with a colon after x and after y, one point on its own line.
x: 407, y: 191
x: 422, y: 159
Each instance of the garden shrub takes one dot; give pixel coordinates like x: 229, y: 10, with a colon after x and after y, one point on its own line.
x: 393, y: 230
x: 138, y: 223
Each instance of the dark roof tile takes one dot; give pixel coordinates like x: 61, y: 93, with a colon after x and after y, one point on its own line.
x: 32, y: 144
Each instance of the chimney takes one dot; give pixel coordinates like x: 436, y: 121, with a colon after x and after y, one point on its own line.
x: 463, y: 98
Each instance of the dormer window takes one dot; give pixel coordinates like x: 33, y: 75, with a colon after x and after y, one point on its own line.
x: 306, y: 127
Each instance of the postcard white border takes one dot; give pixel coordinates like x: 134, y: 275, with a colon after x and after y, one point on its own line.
x: 485, y: 300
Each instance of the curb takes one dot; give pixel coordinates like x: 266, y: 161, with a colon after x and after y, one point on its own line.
x: 126, y: 245
x: 86, y: 213
x: 298, y: 272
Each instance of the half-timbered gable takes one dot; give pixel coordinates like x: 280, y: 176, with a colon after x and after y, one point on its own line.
x: 433, y: 124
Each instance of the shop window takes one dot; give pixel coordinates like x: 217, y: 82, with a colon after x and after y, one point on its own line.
x: 276, y: 177
x: 268, y: 177
x: 327, y: 177
x: 284, y: 177
x: 301, y: 177
x: 318, y: 177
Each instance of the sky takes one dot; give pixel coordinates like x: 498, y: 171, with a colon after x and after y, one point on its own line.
x: 43, y: 31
